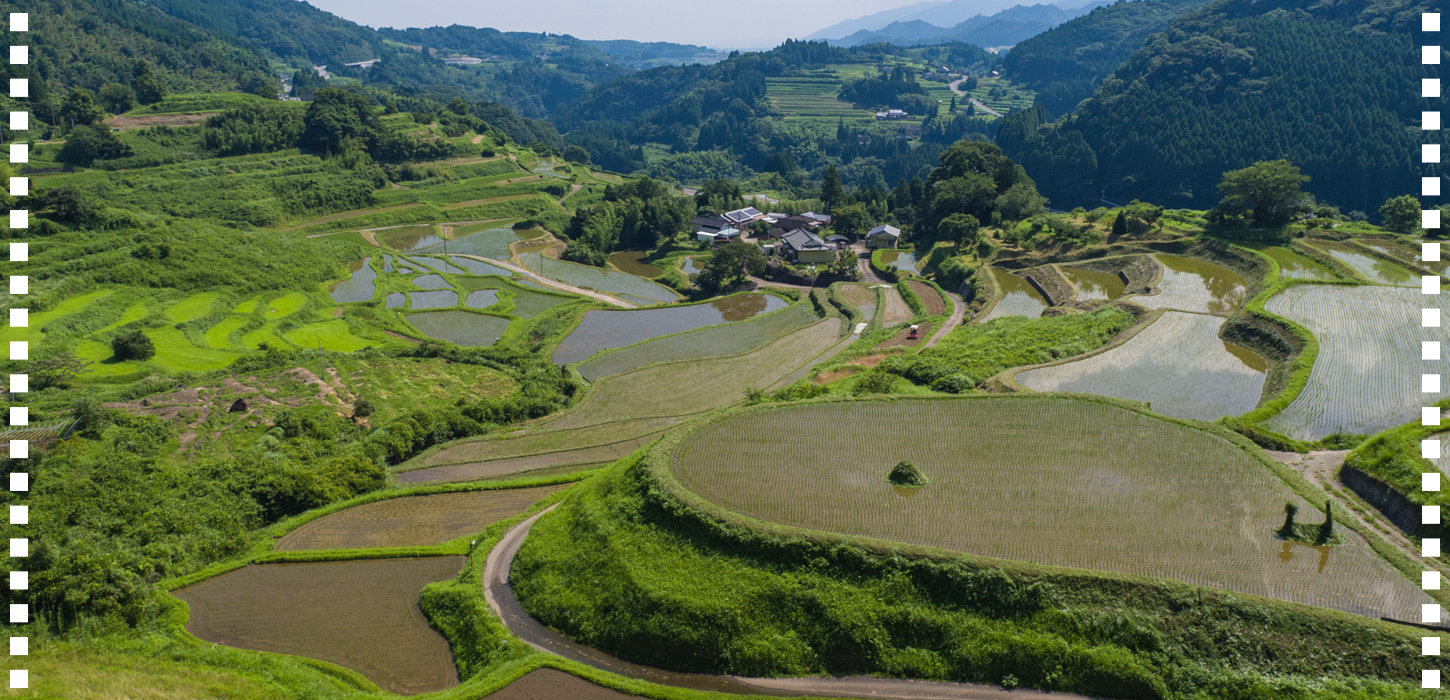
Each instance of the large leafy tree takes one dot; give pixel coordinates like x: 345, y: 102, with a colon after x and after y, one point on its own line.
x: 335, y: 118
x: 1268, y: 192
x: 729, y: 265
x: 1402, y: 213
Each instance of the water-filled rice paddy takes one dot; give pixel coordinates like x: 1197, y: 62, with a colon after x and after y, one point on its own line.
x: 598, y: 279
x: 690, y: 267
x: 899, y: 259
x: 396, y: 300
x: 460, y: 327
x: 1294, y: 264
x: 1371, y: 268
x: 387, y: 263
x: 1019, y: 297
x: 410, y: 239
x: 440, y: 299
x: 413, y: 521
x: 359, y: 614
x: 712, y: 341
x: 492, y: 243
x: 358, y: 287
x: 478, y: 267
x: 1406, y: 248
x: 1092, y: 284
x: 632, y: 261
x: 1032, y: 479
x: 431, y: 282
x: 481, y: 299
x: 600, y: 329
x: 440, y: 264
x: 687, y: 388
x: 530, y: 304
x: 1367, y: 375
x: 1178, y: 364
x: 1191, y: 284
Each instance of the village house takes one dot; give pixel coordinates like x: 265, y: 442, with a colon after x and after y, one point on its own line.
x: 742, y: 217
x: 883, y: 236
x: 363, y: 64
x: 806, y: 247
x: 890, y: 114
x: 722, y: 236
x: 709, y: 224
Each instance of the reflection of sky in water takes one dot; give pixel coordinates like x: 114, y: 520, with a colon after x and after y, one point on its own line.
x: 1092, y: 284
x: 1019, y: 297
x: 1190, y: 284
x: 1373, y: 269
x: 615, y: 329
x: 481, y: 299
x: 434, y: 300
x: 358, y: 287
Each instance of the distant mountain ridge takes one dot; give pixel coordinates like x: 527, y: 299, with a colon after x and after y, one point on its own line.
x: 944, y: 14
x: 1004, y: 28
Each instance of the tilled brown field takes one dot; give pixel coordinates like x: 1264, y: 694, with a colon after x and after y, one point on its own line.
x: 360, y: 614
x: 549, y: 684
x: 413, y: 521
x: 930, y: 298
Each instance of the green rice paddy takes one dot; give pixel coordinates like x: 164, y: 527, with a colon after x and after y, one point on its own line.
x: 329, y: 335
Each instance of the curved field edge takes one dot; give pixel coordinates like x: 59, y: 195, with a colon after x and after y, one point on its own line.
x: 733, y: 524
x: 662, y: 505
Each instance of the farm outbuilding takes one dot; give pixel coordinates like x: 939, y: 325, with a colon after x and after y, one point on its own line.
x: 884, y: 236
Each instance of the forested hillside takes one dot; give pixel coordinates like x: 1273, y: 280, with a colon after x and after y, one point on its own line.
x: 1065, y: 64
x: 1330, y: 88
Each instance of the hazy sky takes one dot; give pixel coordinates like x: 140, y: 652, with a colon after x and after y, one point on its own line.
x: 733, y: 23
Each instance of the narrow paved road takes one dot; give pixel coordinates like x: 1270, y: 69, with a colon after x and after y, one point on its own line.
x: 959, y: 311
x: 974, y: 101
x: 500, y: 597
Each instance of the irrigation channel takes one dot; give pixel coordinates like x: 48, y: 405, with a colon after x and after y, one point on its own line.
x: 500, y: 596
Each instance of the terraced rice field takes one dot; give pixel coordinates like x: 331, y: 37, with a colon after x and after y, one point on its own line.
x: 1371, y: 268
x: 543, y: 440
x: 481, y: 299
x: 1199, y: 286
x: 899, y: 259
x: 597, y: 279
x: 478, y: 267
x: 431, y: 282
x: 490, y: 243
x: 687, y: 388
x: 580, y: 458
x: 218, y: 336
x: 861, y: 297
x: 441, y: 299
x: 330, y: 335
x: 359, y: 614
x: 1032, y: 479
x: 1019, y: 297
x: 894, y: 309
x: 358, y: 287
x: 460, y: 327
x: 1367, y: 375
x: 1294, y: 264
x: 1406, y: 248
x: 811, y: 97
x: 1178, y: 364
x: 409, y: 239
x: 396, y: 300
x: 929, y: 296
x: 602, y: 330
x: 712, y: 341
x: 413, y: 521
x: 549, y: 684
x: 1093, y: 285
x: 632, y: 261
x: 192, y: 307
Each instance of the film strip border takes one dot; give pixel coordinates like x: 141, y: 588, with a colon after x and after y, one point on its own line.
x: 1430, y: 349
x: 19, y: 350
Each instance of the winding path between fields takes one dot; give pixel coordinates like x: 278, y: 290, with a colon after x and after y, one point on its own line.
x: 500, y: 596
x: 520, y: 269
x: 975, y: 102
x: 959, y: 312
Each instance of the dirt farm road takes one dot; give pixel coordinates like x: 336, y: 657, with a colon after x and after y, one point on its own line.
x: 500, y: 596
x: 959, y: 312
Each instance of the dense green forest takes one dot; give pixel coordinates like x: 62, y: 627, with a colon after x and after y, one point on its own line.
x: 1065, y: 64
x: 1331, y: 88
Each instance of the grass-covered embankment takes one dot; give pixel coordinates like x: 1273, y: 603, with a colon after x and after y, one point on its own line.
x: 633, y: 564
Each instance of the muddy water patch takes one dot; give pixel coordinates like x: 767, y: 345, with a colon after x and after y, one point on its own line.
x: 1092, y: 284
x: 1019, y: 297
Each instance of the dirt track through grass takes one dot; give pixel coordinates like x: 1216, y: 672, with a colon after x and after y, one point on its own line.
x: 1033, y: 479
x: 360, y: 614
x: 413, y: 521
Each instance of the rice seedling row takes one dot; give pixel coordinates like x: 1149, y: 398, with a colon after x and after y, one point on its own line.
x: 929, y: 296
x: 1293, y: 264
x: 1178, y: 365
x: 1032, y: 479
x: 413, y: 521
x: 473, y: 471
x: 1373, y: 269
x: 1366, y: 377
x: 360, y: 614
x: 861, y: 297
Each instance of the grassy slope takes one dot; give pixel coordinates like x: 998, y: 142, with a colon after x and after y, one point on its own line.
x: 633, y: 564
